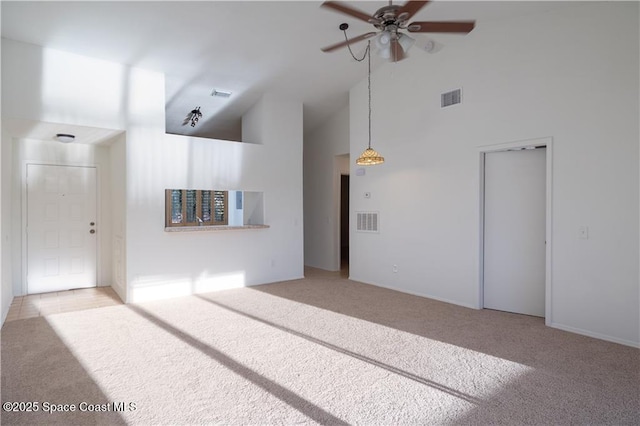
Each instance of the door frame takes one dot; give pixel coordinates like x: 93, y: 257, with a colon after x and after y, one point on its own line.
x: 340, y: 224
x: 338, y: 171
x: 24, y: 215
x: 483, y: 150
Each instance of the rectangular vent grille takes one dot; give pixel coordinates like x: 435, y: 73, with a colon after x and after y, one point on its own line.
x: 451, y: 98
x: 220, y: 93
x: 367, y: 222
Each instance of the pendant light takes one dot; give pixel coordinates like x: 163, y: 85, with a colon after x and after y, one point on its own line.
x: 369, y: 157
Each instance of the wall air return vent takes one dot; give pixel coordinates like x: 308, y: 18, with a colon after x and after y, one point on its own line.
x: 451, y: 98
x: 367, y: 222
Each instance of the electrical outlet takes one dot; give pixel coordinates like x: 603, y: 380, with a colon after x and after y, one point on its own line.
x: 395, y: 269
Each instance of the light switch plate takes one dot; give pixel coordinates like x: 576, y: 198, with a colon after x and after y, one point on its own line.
x: 584, y: 232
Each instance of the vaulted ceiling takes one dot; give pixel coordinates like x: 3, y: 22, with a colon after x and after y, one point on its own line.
x: 245, y: 47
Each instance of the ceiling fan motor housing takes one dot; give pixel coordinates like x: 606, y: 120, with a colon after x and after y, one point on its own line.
x: 388, y: 16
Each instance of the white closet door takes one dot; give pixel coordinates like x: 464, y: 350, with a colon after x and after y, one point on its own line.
x: 514, y: 231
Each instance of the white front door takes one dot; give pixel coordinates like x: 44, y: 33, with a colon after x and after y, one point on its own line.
x: 514, y: 231
x: 61, y: 228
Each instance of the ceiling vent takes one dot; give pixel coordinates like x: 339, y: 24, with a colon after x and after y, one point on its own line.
x: 451, y: 98
x: 220, y: 93
x: 367, y: 222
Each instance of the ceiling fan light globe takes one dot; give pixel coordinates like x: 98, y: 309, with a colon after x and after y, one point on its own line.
x: 383, y: 39
x: 384, y: 52
x: 406, y: 42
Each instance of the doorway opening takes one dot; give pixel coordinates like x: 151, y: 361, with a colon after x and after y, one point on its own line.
x: 515, y: 228
x: 344, y: 223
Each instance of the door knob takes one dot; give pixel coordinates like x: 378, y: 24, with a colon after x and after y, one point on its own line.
x: 93, y: 231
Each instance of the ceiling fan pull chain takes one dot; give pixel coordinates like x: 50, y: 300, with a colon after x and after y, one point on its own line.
x: 351, y: 51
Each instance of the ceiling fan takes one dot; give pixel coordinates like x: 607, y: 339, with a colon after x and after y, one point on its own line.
x: 390, y: 41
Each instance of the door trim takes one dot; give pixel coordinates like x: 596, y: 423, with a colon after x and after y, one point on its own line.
x: 548, y: 143
x: 335, y: 221
x: 23, y: 216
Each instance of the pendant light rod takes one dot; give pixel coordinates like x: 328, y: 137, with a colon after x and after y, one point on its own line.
x: 369, y: 85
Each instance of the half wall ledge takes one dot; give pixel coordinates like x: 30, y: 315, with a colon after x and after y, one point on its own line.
x: 212, y: 228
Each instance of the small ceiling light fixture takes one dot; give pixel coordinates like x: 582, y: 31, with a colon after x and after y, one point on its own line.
x: 220, y: 93
x: 195, y: 116
x: 369, y: 157
x: 65, y: 137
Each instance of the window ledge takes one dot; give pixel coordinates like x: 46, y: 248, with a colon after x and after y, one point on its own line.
x: 212, y: 228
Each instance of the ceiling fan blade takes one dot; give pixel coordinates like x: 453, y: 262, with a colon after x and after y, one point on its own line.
x: 397, y: 52
x: 347, y: 42
x: 410, y: 8
x: 348, y: 10
x: 441, y: 27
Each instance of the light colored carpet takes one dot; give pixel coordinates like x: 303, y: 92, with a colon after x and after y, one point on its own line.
x: 319, y: 350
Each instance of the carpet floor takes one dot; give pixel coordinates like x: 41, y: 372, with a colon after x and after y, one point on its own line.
x: 318, y: 350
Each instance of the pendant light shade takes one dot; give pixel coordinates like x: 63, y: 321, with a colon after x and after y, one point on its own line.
x: 369, y: 157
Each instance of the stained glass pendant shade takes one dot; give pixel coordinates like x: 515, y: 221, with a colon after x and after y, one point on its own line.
x: 369, y: 157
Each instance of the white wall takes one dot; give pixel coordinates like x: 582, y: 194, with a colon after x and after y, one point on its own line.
x: 59, y: 87
x: 571, y: 74
x: 28, y: 151
x: 118, y: 208
x: 49, y: 85
x: 236, y: 216
x: 6, y: 290
x: 175, y: 263
x: 322, y: 191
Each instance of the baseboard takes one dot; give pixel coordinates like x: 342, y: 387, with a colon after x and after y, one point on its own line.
x: 294, y: 278
x: 5, y: 313
x: 595, y: 335
x: 120, y: 292
x: 323, y: 268
x: 414, y: 293
x: 4, y: 310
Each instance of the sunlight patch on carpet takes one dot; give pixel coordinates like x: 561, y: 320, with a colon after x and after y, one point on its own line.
x: 253, y: 357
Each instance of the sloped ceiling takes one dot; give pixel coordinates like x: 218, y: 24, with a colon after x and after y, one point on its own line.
x: 245, y: 47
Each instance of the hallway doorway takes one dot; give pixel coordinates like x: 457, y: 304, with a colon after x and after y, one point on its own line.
x: 344, y: 222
